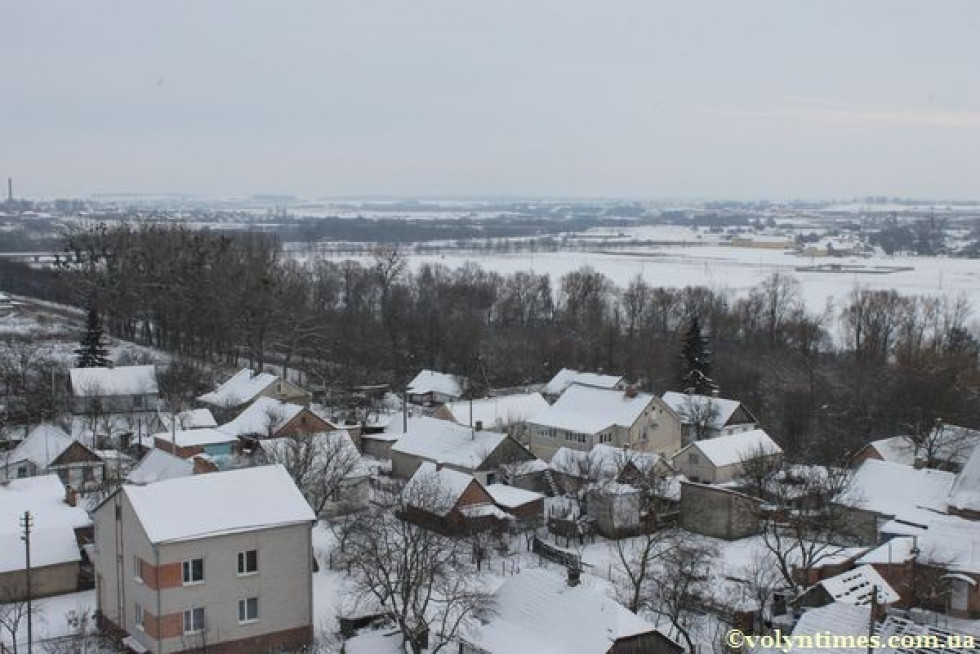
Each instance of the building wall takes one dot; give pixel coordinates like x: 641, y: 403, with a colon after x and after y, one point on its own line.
x: 694, y: 465
x: 45, y: 581
x: 114, y: 404
x: 377, y: 448
x: 285, y: 391
x: 718, y: 512
x: 304, y: 422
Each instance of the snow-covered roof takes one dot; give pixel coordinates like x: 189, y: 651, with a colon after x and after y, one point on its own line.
x: 602, y: 462
x: 54, y: 522
x: 441, y: 440
x: 836, y: 618
x: 512, y: 496
x: 498, y: 411
x: 566, y: 377
x: 260, y: 414
x: 856, y: 587
x: 965, y: 493
x: 430, y: 381
x: 158, y: 465
x: 954, y: 443
x: 952, y: 543
x: 895, y: 550
x: 242, y: 387
x: 121, y: 380
x: 537, y: 611
x: 735, y: 448
x: 190, y: 419
x: 336, y: 445
x: 219, y: 503
x: 896, y: 449
x: 43, y: 444
x: 589, y: 410
x: 715, y: 410
x: 436, y: 490
x: 894, y: 489
x: 196, y: 437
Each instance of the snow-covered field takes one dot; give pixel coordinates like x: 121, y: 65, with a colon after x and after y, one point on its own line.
x: 55, y: 617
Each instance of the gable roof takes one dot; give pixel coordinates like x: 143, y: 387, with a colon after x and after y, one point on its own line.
x: 735, y: 448
x: 190, y: 419
x: 896, y: 449
x: 436, y: 490
x: 43, y: 444
x: 430, y: 381
x: 121, y: 380
x: 718, y: 411
x: 894, y: 489
x: 965, y: 492
x: 537, y: 611
x: 158, y: 465
x: 328, y: 446
x: 196, y: 437
x: 223, y: 503
x: 602, y: 462
x: 502, y: 410
x: 589, y: 410
x: 512, y: 497
x: 856, y: 587
x: 441, y: 440
x: 242, y: 387
x: 566, y: 377
x: 256, y: 418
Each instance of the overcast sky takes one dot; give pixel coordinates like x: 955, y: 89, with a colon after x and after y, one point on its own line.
x: 735, y: 98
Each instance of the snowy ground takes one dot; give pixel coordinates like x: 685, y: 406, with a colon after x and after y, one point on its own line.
x: 54, y: 617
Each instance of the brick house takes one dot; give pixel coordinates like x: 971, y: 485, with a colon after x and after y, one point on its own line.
x: 449, y: 502
x: 204, y: 562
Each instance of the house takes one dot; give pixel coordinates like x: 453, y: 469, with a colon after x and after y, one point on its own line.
x: 59, y: 528
x: 431, y: 387
x: 269, y: 418
x: 705, y: 416
x: 188, y: 443
x: 222, y: 562
x: 123, y: 389
x: 718, y: 512
x: 246, y: 386
x: 860, y: 586
x: 477, y: 453
x: 585, y: 416
x: 879, y: 492
x: 539, y: 611
x: 964, y: 496
x: 573, y: 468
x: 566, y: 377
x: 504, y: 413
x: 722, y: 459
x: 449, y: 502
x: 897, y: 449
x: 48, y: 449
x: 189, y: 419
x: 523, y: 504
x: 946, y: 447
x: 159, y: 465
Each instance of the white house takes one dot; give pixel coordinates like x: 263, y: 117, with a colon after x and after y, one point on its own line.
x: 431, y: 387
x: 566, y: 377
x: 705, y: 416
x: 122, y: 389
x: 721, y: 460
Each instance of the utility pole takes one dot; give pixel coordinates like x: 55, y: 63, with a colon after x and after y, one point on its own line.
x: 871, y: 619
x: 26, y: 522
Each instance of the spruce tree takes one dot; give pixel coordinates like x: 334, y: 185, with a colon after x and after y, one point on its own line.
x: 696, y: 355
x: 92, y: 352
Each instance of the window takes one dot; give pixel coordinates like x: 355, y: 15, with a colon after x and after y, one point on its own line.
x: 692, y: 458
x: 194, y: 621
x: 248, y: 562
x: 248, y: 609
x: 194, y: 571
x: 138, y: 613
x: 137, y: 569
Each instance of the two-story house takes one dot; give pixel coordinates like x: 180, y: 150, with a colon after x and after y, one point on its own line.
x: 206, y: 563
x: 585, y: 416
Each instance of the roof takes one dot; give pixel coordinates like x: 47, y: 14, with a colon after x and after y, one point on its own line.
x: 718, y: 411
x: 896, y: 449
x: 190, y: 419
x: 158, y: 465
x: 855, y: 587
x: 230, y: 502
x: 332, y: 446
x: 566, y: 377
x: 894, y: 489
x: 590, y: 410
x: 498, y: 411
x: 735, y: 448
x: 430, y: 381
x: 43, y: 444
x: 836, y: 618
x: 121, y: 380
x: 537, y: 611
x: 54, y: 522
x: 512, y: 496
x: 951, y: 543
x: 895, y: 550
x: 965, y: 493
x: 441, y: 440
x: 436, y: 490
x: 602, y: 462
x: 197, y: 437
x: 260, y: 415
x: 242, y: 387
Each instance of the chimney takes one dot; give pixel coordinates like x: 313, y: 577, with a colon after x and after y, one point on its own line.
x: 479, y: 425
x: 630, y: 391
x: 71, y: 498
x: 439, y: 465
x: 574, y: 576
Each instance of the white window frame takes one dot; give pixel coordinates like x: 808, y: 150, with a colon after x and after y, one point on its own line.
x: 242, y: 563
x: 243, y: 604
x: 190, y: 613
x: 137, y: 569
x: 187, y: 572
x: 138, y: 616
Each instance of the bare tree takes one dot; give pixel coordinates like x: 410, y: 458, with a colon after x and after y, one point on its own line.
x: 681, y: 581
x: 13, y: 613
x: 320, y: 464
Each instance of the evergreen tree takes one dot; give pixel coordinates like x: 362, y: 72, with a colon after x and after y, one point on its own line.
x: 92, y: 352
x: 696, y: 370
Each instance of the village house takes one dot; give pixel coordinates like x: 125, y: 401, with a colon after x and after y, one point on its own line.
x: 860, y: 586
x: 964, y: 496
x: 566, y: 377
x: 706, y: 416
x: 246, y: 386
x: 718, y: 512
x: 504, y: 413
x: 477, y: 453
x: 430, y: 387
x: 722, y: 460
x: 269, y: 418
x: 449, y: 502
x: 525, y: 505
x: 220, y: 562
x: 586, y: 416
x: 946, y: 447
x: 188, y: 443
x: 159, y: 465
x: 123, y: 389
x: 189, y: 419
x: 48, y: 449
x: 538, y: 611
x: 59, y: 530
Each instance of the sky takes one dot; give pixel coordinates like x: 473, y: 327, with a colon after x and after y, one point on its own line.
x: 492, y: 98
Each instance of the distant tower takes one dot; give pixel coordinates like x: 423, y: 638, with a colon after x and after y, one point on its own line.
x: 10, y: 190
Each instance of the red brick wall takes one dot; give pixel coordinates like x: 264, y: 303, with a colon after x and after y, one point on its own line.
x: 305, y: 422
x: 170, y: 625
x: 168, y: 575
